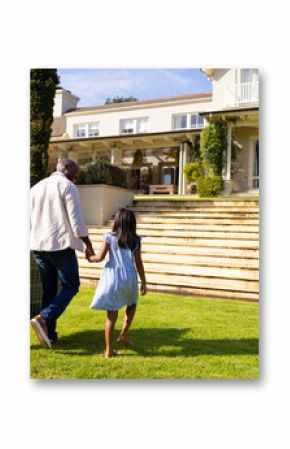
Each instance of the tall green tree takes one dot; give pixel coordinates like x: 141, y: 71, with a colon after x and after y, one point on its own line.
x: 213, y: 144
x: 43, y: 84
x: 118, y: 99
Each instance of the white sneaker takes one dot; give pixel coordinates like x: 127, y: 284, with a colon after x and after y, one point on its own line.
x: 40, y: 328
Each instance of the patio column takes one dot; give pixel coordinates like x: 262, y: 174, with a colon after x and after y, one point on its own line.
x: 227, y: 180
x: 185, y: 160
x: 180, y: 176
x: 116, y: 157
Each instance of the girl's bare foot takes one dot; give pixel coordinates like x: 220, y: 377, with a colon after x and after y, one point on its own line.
x: 124, y: 340
x: 109, y: 355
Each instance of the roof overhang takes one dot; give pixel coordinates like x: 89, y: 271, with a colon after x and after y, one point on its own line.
x: 208, y: 73
x: 239, y: 117
x: 126, y: 142
x: 233, y: 112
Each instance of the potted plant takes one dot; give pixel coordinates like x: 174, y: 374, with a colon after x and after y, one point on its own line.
x: 192, y: 171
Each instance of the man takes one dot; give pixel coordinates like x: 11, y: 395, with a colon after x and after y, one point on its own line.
x: 57, y: 230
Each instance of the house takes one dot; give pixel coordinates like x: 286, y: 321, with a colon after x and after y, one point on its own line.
x: 164, y: 132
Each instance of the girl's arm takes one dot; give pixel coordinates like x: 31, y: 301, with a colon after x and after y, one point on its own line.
x: 140, y: 269
x: 101, y: 254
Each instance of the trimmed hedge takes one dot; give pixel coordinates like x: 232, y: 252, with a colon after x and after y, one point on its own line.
x: 101, y: 172
x: 209, y: 186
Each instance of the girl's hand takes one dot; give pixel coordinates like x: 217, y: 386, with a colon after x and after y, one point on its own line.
x: 93, y: 259
x: 143, y: 288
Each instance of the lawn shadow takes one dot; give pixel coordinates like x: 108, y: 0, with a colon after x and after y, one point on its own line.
x: 173, y: 342
x: 80, y: 343
x: 156, y: 342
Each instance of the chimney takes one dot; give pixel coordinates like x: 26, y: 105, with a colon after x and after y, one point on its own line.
x: 63, y: 101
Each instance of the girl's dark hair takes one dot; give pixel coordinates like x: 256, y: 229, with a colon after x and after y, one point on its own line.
x: 124, y: 228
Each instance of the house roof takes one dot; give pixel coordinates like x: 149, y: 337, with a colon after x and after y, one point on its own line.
x: 127, y: 104
x: 58, y: 126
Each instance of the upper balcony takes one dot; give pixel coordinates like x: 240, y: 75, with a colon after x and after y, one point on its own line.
x: 241, y: 94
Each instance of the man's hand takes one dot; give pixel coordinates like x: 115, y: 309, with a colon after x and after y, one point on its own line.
x: 89, y: 252
x: 89, y: 247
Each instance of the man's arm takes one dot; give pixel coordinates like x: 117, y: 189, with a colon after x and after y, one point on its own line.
x: 75, y: 216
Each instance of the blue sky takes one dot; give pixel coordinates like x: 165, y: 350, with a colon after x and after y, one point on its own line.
x: 93, y: 86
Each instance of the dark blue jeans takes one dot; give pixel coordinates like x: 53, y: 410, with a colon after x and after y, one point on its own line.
x: 53, y: 265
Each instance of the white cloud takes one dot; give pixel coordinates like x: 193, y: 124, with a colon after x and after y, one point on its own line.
x: 93, y: 86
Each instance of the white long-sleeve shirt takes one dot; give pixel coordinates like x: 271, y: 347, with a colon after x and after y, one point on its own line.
x: 56, y: 219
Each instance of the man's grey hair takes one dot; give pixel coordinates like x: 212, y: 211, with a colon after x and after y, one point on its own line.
x: 67, y: 165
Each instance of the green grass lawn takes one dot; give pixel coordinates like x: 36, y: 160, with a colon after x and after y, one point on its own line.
x: 174, y: 337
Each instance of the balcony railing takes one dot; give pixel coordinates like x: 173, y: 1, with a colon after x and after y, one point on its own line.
x: 236, y: 94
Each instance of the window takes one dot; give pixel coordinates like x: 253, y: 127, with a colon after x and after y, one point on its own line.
x: 127, y: 126
x: 133, y: 126
x: 87, y: 130
x: 142, y: 125
x: 196, y: 121
x: 188, y: 121
x: 180, y: 122
x: 248, y: 75
x: 93, y: 129
x: 80, y: 131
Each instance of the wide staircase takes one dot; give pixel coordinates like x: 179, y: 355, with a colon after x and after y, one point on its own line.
x: 200, y: 248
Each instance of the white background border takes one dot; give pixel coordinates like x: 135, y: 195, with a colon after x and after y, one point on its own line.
x: 203, y: 414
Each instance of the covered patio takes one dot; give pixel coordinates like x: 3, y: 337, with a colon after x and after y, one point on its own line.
x: 163, y: 156
x: 241, y: 169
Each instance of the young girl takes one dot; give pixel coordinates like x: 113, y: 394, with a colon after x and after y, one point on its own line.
x: 118, y: 285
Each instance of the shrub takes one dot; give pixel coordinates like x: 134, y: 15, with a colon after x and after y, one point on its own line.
x: 192, y: 171
x: 137, y: 159
x: 209, y: 186
x: 101, y: 172
x: 213, y: 144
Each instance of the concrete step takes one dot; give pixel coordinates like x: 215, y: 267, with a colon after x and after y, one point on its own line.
x: 194, y: 204
x: 196, y: 227
x: 203, y: 292
x: 213, y: 210
x: 174, y: 249
x: 144, y: 219
x: 192, y: 260
x: 191, y: 241
x: 209, y: 236
x: 189, y: 291
x: 250, y: 286
x: 188, y: 270
x: 197, y: 248
x: 196, y: 214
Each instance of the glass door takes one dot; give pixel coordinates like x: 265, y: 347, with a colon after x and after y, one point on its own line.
x: 168, y: 175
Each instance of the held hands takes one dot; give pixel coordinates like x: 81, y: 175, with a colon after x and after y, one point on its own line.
x: 89, y: 253
x: 143, y: 288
